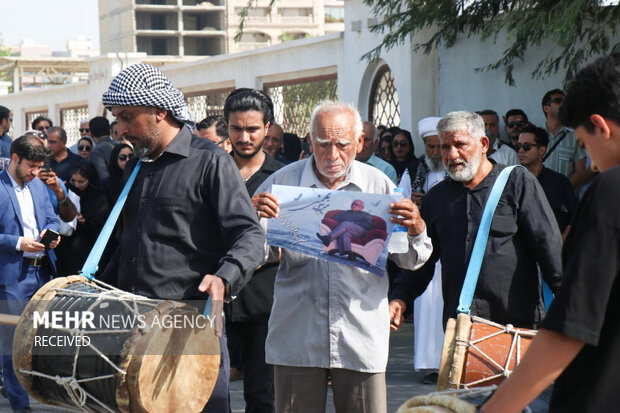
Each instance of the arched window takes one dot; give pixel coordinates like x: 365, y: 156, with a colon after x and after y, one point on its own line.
x: 384, y: 108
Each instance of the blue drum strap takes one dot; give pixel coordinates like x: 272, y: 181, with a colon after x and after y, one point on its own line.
x: 480, y: 245
x: 92, y: 262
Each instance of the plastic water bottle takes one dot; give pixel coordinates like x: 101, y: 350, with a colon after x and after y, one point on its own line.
x: 399, y: 243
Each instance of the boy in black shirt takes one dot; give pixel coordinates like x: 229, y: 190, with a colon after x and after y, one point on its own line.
x: 579, y: 340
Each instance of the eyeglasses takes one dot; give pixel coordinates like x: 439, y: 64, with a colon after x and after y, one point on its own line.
x: 513, y: 124
x: 555, y: 100
x: 526, y: 146
x: 125, y: 157
x: 86, y: 148
x: 84, y: 130
x: 400, y: 143
x: 42, y: 128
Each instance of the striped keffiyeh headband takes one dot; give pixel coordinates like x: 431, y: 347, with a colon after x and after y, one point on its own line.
x: 143, y: 85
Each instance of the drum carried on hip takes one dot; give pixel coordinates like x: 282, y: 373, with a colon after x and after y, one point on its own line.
x: 120, y: 352
x: 477, y: 352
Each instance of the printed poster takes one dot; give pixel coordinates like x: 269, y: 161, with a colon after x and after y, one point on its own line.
x: 350, y: 228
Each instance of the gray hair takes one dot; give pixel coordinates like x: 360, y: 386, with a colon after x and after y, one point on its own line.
x: 375, y: 136
x: 462, y: 120
x: 328, y: 106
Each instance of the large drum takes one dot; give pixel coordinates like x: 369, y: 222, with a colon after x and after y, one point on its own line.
x: 86, y: 345
x: 478, y: 352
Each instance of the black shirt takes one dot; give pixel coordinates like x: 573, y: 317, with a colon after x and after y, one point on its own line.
x: 256, y: 298
x: 587, y: 307
x: 63, y: 168
x: 187, y: 215
x: 560, y: 194
x: 523, y: 233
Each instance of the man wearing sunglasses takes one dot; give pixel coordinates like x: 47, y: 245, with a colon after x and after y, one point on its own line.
x: 560, y: 193
x: 563, y: 155
x: 6, y: 117
x: 514, y: 121
x: 42, y: 124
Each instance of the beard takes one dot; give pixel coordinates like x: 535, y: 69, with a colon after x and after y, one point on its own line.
x: 433, y: 166
x: 247, y: 155
x: 145, y: 147
x: 259, y: 146
x: 466, y: 171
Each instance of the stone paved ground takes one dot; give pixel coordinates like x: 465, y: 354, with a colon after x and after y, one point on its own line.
x: 402, y: 381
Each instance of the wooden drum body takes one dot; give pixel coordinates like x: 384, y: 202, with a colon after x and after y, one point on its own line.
x: 141, y: 367
x: 477, y: 352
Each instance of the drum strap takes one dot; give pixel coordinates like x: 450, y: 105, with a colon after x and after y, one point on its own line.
x: 480, y: 245
x: 92, y: 262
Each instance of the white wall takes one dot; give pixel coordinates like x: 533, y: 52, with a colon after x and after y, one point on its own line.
x: 462, y: 88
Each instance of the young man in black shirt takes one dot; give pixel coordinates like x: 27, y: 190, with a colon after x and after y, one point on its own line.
x: 249, y: 113
x: 579, y: 340
x: 531, y: 147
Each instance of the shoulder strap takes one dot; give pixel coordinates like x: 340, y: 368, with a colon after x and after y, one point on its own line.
x: 92, y: 262
x: 480, y: 245
x: 555, y: 145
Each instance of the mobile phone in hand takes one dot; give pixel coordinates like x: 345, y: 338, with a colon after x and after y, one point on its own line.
x: 46, y: 164
x: 48, y: 238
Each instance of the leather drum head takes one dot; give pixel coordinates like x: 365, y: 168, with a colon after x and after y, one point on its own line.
x: 169, y: 369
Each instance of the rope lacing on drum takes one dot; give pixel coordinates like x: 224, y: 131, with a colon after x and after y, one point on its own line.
x: 72, y: 384
x: 515, y: 349
x: 73, y: 388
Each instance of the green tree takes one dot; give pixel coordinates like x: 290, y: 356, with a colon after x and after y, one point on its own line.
x: 578, y: 29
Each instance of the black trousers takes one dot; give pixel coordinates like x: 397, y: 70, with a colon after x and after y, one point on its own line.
x: 219, y: 402
x: 258, y: 390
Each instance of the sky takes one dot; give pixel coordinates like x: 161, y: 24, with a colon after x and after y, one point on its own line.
x: 49, y: 22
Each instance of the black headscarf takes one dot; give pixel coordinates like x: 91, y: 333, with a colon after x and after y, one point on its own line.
x: 114, y: 183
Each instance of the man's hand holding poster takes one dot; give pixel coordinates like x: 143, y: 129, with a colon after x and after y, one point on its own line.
x: 351, y: 228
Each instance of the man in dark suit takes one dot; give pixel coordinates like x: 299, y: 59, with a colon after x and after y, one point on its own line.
x: 25, y: 265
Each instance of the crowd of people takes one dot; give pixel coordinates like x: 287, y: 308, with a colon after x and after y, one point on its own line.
x: 194, y: 223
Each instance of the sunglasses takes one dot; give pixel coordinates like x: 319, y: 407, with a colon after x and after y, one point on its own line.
x: 84, y: 148
x: 526, y: 146
x: 42, y: 128
x: 84, y: 130
x: 556, y: 100
x: 513, y: 124
x: 125, y: 157
x: 39, y: 135
x: 400, y: 143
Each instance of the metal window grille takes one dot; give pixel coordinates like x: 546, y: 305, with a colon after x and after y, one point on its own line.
x: 30, y: 116
x: 293, y: 101
x: 70, y: 121
x: 384, y: 108
x: 208, y: 103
